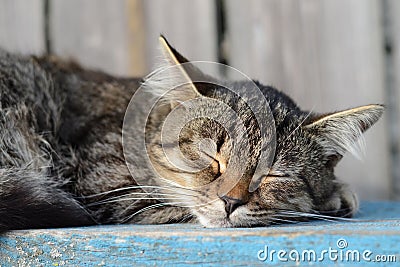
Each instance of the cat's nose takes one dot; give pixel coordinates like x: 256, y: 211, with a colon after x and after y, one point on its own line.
x: 231, y: 204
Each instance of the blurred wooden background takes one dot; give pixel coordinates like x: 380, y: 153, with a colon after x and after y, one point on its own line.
x: 327, y: 54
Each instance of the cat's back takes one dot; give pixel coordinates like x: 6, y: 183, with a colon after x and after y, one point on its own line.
x: 19, y: 76
x: 62, y: 96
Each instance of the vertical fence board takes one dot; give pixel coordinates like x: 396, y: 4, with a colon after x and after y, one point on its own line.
x: 22, y: 26
x: 136, y: 38
x: 97, y: 33
x: 190, y: 26
x: 328, y: 56
x: 392, y: 34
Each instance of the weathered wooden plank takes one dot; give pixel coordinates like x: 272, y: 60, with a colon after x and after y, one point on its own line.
x: 328, y: 56
x: 103, y: 34
x: 392, y: 35
x: 188, y: 25
x: 22, y: 26
x: 136, y: 38
x: 121, y: 36
x: 377, y: 229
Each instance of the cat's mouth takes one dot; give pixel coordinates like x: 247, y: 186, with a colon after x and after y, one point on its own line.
x: 239, y: 218
x: 227, y: 222
x: 213, y: 218
x: 223, y: 222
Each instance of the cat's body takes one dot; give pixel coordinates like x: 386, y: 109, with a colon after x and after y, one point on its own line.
x: 62, y: 161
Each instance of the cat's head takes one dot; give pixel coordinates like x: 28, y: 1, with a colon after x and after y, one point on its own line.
x: 299, y: 180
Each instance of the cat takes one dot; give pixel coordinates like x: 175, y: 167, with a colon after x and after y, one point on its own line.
x: 62, y: 161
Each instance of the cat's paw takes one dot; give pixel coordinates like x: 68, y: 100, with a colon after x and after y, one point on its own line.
x: 349, y: 201
x: 343, y: 203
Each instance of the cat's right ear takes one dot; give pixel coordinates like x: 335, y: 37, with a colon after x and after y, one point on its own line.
x: 177, y: 79
x: 338, y: 132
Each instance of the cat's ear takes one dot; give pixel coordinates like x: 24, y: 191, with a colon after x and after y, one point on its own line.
x: 338, y: 132
x: 171, y: 55
x: 177, y: 79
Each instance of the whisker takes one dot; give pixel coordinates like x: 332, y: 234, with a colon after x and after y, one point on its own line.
x: 121, y: 189
x: 176, y: 185
x: 328, y: 211
x: 298, y: 126
x: 316, y: 216
x: 274, y: 219
x: 149, y: 208
x: 271, y: 216
x: 134, y: 187
x: 127, y: 199
x: 145, y: 196
x: 186, y: 218
x: 349, y: 212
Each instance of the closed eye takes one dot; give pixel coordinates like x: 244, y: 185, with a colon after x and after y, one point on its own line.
x: 278, y: 175
x: 278, y: 179
x: 274, y: 173
x: 218, y: 165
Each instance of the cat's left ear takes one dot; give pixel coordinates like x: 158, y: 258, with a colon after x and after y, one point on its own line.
x: 177, y: 76
x: 337, y: 132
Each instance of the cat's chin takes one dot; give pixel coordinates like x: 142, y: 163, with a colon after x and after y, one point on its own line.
x: 224, y: 222
x: 227, y: 223
x: 215, y: 223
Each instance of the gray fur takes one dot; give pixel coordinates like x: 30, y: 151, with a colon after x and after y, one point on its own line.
x: 62, y: 164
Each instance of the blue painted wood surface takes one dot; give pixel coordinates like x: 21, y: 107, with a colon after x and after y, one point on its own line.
x: 374, y: 232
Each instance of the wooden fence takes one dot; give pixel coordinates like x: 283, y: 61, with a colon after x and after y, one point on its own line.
x: 327, y: 54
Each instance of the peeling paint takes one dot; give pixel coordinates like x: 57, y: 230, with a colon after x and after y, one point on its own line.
x: 377, y: 229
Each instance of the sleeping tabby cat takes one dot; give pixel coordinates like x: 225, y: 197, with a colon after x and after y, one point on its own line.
x: 62, y: 161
